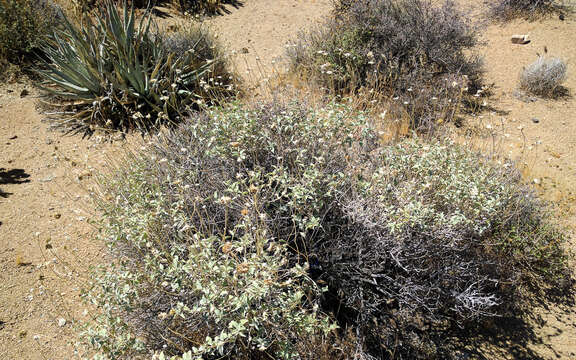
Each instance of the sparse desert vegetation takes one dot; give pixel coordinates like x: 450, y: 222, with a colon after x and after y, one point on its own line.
x: 361, y: 202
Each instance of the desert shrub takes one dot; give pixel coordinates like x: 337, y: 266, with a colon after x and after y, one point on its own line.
x: 544, y: 77
x: 508, y: 9
x: 203, y: 232
x: 239, y: 233
x: 23, y: 25
x: 411, y: 50
x: 433, y: 243
x: 198, y: 7
x: 116, y: 74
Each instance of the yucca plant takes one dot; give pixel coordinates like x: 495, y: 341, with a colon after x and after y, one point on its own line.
x: 114, y: 73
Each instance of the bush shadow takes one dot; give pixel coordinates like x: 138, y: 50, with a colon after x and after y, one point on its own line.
x: 506, y: 337
x: 560, y: 93
x: 224, y: 10
x: 182, y: 7
x: 13, y: 176
x: 515, y: 335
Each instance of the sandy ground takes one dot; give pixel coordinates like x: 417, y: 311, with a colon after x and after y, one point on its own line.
x: 47, y: 242
x: 541, y: 135
x: 259, y: 31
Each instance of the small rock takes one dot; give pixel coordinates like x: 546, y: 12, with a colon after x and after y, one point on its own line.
x: 24, y: 93
x: 535, y: 120
x: 47, y: 179
x: 57, y: 216
x: 49, y: 141
x: 561, y: 17
x: 536, y: 181
x: 520, y: 39
x: 61, y: 322
x: 244, y: 50
x: 84, y: 174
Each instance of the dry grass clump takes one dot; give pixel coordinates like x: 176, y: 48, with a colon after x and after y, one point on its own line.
x: 409, y: 50
x: 23, y: 26
x: 544, y: 77
x: 119, y: 73
x: 241, y: 234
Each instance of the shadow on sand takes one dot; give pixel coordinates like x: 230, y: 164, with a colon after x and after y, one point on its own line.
x: 13, y: 176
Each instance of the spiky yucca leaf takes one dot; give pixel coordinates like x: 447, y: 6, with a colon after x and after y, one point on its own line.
x: 116, y: 74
